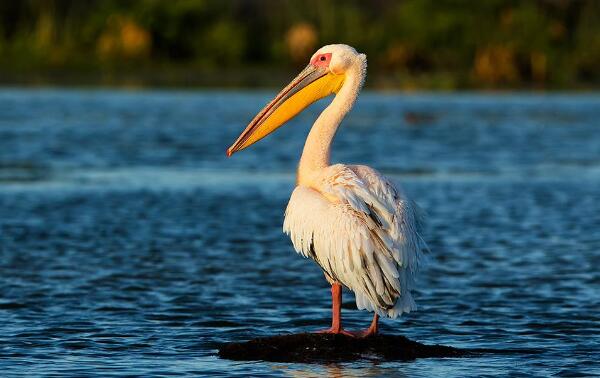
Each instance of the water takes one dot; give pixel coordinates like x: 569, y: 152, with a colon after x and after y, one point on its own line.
x: 130, y: 245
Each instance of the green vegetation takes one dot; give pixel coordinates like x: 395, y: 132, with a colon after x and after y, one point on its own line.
x: 411, y: 44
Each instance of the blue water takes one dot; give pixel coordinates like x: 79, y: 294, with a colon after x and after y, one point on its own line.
x: 130, y: 245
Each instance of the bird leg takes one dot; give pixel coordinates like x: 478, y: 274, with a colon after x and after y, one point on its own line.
x: 336, y: 312
x: 372, y: 330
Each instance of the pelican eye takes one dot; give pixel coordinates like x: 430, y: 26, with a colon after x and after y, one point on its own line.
x: 323, y: 58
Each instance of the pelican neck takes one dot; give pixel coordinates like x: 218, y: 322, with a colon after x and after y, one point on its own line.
x: 316, y: 152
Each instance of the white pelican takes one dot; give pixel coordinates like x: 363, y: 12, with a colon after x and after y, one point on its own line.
x: 361, y: 230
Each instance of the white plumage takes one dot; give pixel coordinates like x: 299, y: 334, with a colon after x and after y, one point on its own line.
x: 363, y: 232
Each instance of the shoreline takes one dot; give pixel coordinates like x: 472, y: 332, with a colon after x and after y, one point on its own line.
x: 260, y: 78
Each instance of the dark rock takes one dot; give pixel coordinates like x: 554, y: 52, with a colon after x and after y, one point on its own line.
x: 312, y: 347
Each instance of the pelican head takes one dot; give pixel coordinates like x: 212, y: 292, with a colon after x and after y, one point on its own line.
x: 323, y: 76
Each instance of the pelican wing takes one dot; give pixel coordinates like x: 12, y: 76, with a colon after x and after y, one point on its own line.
x: 362, y: 232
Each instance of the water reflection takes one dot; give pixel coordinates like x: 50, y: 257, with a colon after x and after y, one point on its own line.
x: 341, y: 371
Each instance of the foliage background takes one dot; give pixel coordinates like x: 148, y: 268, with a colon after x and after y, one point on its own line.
x: 411, y: 44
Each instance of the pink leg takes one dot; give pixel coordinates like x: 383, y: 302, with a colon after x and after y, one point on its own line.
x: 372, y: 330
x: 336, y: 312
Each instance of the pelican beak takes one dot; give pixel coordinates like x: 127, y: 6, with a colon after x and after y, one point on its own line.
x: 312, y: 84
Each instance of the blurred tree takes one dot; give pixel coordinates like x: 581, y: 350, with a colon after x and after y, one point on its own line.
x: 123, y: 38
x: 301, y: 41
x: 410, y: 43
x: 587, y: 43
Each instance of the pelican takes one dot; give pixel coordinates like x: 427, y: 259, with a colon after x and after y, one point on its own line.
x: 362, y: 231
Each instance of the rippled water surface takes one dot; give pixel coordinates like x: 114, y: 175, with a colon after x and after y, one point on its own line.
x: 130, y: 245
